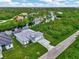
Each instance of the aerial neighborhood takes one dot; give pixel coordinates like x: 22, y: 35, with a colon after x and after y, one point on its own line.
x: 37, y: 36
x: 39, y: 33
x: 25, y: 35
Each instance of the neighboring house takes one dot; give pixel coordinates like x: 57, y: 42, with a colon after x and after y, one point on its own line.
x: 50, y: 16
x: 5, y: 41
x: 8, y: 32
x: 60, y: 12
x: 19, y: 18
x: 25, y: 15
x: 37, y: 20
x: 28, y: 35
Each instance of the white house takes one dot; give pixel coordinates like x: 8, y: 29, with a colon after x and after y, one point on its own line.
x: 24, y: 14
x: 8, y: 32
x: 50, y: 17
x: 5, y: 41
x: 9, y: 46
x: 28, y: 35
x: 60, y: 12
x: 37, y: 20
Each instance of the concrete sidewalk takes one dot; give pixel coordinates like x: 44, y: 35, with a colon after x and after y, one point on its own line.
x: 55, y: 52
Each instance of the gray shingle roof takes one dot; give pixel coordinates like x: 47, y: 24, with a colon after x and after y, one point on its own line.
x: 28, y: 34
x: 4, y: 39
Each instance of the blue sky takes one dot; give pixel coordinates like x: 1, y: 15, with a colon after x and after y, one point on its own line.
x: 39, y: 3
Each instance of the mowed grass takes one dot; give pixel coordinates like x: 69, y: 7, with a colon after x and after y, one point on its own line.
x: 11, y: 24
x: 32, y: 51
x: 72, y: 52
x: 56, y: 31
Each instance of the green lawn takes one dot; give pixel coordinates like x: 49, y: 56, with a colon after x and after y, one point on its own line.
x: 11, y: 24
x: 72, y: 52
x: 32, y: 51
x: 56, y: 31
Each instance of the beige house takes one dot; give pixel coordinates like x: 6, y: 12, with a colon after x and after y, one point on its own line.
x: 19, y: 18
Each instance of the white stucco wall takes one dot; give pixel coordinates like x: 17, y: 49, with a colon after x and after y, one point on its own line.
x: 53, y: 18
x: 1, y: 56
x: 8, y: 32
x: 37, y: 38
x: 26, y: 42
x: 22, y: 42
x: 9, y: 46
x: 0, y: 48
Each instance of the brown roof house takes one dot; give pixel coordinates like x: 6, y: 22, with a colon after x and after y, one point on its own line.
x: 19, y: 18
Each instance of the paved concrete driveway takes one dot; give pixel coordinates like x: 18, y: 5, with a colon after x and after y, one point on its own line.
x: 46, y: 44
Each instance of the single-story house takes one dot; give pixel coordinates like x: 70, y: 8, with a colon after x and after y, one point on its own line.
x: 50, y: 16
x: 5, y: 41
x: 37, y: 20
x: 8, y: 32
x: 19, y: 18
x: 28, y: 35
x: 25, y: 15
x: 60, y: 12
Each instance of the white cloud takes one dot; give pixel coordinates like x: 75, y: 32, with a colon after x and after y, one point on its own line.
x: 5, y: 1
x: 17, y: 4
x: 35, y: 5
x: 47, y: 1
x: 62, y: 3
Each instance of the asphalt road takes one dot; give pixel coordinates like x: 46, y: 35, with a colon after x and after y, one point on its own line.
x: 55, y: 52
